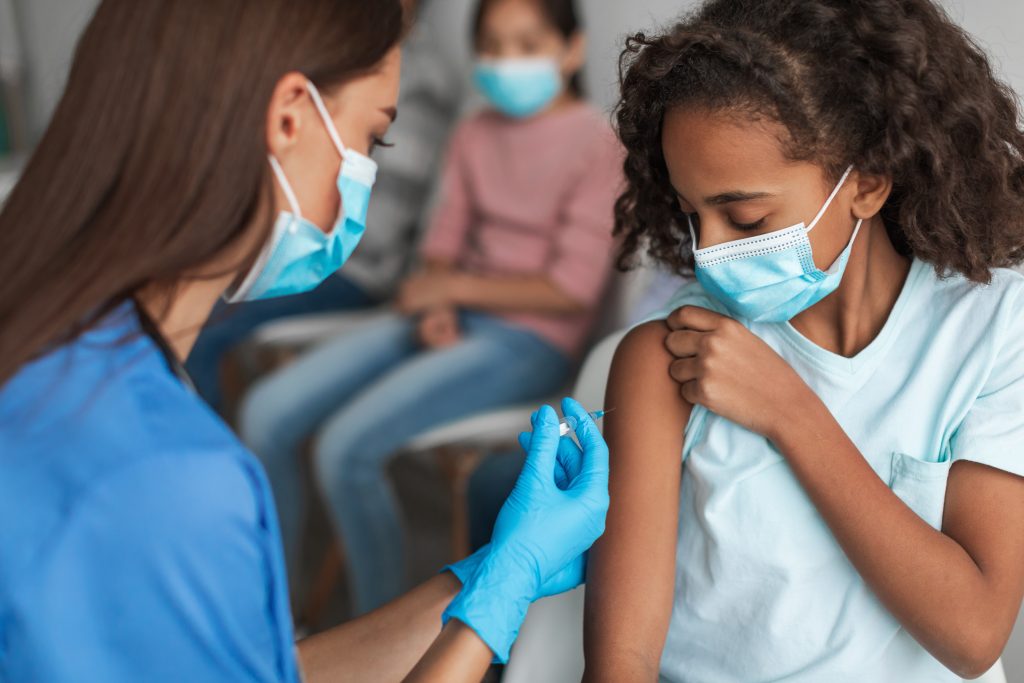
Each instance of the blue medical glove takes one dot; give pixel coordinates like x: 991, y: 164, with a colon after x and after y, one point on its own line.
x: 542, y: 530
x: 571, y: 576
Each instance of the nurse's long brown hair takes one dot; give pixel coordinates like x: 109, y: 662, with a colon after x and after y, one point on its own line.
x: 155, y: 160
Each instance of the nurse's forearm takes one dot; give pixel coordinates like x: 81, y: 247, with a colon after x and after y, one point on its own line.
x: 531, y: 294
x: 457, y: 656
x: 926, y: 579
x: 384, y: 645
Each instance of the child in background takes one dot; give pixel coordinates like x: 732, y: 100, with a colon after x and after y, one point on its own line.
x: 817, y: 475
x: 514, y: 268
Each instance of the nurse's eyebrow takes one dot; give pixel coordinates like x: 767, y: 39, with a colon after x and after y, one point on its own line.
x: 390, y: 112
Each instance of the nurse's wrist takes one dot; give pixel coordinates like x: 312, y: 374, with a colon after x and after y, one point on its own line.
x: 495, y: 600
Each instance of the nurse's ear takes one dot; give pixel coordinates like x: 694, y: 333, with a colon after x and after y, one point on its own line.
x: 289, y: 107
x: 873, y: 191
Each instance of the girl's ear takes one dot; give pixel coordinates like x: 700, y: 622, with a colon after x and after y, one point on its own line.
x: 576, y: 56
x: 872, y: 192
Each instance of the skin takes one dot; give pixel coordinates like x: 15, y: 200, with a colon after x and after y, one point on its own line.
x: 976, y: 561
x: 386, y: 644
x: 511, y: 29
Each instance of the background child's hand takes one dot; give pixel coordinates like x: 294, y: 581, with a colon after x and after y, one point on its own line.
x: 439, y: 328
x: 425, y: 291
x: 726, y: 368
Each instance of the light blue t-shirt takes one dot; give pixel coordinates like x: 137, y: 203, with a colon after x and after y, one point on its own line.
x: 138, y: 538
x: 763, y: 591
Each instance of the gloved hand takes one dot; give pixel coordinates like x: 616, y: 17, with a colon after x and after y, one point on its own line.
x: 568, y: 465
x: 542, y: 531
x: 571, y: 576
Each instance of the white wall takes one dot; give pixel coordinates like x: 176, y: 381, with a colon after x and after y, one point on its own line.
x: 50, y: 29
x: 608, y: 23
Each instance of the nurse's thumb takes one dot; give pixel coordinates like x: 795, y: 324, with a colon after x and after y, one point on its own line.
x: 544, y: 444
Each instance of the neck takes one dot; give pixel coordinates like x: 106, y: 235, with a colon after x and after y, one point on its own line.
x: 181, y: 312
x: 560, y: 103
x: 848, y: 320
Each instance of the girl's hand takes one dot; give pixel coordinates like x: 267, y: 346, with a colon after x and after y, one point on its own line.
x: 426, y: 291
x: 724, y: 367
x: 439, y: 328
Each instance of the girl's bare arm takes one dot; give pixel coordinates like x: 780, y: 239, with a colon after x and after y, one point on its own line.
x: 631, y: 571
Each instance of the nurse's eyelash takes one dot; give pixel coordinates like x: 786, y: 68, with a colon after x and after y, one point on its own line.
x: 378, y: 143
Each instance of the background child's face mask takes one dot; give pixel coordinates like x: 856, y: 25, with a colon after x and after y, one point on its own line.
x: 519, y: 87
x: 299, y: 255
x: 771, y: 277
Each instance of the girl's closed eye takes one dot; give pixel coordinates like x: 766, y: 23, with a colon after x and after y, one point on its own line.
x: 746, y: 227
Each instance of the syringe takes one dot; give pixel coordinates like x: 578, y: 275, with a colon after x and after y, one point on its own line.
x: 569, y: 424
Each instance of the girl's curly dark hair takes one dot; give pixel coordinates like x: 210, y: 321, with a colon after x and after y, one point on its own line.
x: 891, y: 86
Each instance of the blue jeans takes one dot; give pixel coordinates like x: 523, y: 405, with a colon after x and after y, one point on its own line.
x: 231, y: 324
x: 362, y: 397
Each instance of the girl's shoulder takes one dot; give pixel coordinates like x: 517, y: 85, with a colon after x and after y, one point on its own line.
x: 691, y: 293
x: 1002, y: 296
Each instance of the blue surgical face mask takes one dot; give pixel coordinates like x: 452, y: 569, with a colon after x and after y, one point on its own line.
x: 299, y: 255
x: 772, y: 277
x: 519, y: 87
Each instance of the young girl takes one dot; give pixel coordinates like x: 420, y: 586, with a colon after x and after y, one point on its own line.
x: 846, y: 394
x: 515, y: 264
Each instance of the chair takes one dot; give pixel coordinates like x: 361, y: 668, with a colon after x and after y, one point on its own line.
x: 550, y: 644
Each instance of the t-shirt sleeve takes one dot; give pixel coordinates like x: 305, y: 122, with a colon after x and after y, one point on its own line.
x: 161, y: 573
x: 582, y: 258
x: 992, y: 433
x: 451, y: 221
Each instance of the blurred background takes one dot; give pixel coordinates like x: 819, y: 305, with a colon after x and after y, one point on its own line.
x: 435, y: 476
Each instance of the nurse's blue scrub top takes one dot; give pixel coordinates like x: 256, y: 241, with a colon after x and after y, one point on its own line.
x: 138, y: 537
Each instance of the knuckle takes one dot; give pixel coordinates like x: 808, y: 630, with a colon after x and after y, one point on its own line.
x: 709, y: 364
x: 713, y: 344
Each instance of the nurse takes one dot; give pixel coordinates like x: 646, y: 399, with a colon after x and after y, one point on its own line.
x: 207, y: 149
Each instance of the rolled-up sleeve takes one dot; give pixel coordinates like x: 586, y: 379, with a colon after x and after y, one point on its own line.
x: 583, y: 252
x: 992, y: 433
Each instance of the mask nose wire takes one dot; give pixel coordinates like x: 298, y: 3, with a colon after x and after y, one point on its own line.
x: 828, y: 202
x: 318, y: 102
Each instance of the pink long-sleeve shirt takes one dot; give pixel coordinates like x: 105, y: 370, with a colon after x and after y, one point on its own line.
x: 533, y: 197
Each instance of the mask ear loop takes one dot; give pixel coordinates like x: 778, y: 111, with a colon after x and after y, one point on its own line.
x: 693, y: 233
x: 286, y: 187
x: 828, y: 202
x: 318, y: 102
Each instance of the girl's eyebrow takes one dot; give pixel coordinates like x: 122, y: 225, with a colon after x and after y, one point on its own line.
x: 730, y: 197
x: 736, y: 196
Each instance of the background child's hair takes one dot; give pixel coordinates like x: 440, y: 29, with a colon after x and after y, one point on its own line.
x: 891, y: 86
x: 562, y: 14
